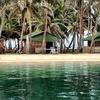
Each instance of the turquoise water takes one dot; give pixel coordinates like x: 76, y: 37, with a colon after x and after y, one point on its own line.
x: 50, y: 81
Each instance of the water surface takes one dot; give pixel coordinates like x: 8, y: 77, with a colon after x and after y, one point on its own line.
x: 50, y: 81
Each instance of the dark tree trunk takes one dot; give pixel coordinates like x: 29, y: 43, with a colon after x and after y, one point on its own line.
x: 71, y: 41
x: 81, y: 29
x: 61, y: 46
x: 22, y: 32
x: 73, y: 49
x: 45, y: 31
x: 93, y: 30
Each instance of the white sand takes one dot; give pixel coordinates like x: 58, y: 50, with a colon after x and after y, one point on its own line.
x: 49, y: 58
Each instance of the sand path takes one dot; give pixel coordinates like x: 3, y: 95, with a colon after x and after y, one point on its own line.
x: 50, y: 57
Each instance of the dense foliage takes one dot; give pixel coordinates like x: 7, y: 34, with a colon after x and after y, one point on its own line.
x: 59, y: 17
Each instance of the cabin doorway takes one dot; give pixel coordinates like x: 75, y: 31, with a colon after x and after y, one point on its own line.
x: 48, y: 45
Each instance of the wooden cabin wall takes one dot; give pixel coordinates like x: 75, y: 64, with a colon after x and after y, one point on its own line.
x: 32, y: 48
x: 97, y: 43
x: 38, y: 47
x: 35, y: 47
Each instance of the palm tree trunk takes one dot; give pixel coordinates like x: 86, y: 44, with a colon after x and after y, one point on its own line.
x: 92, y: 38
x: 29, y: 19
x: 89, y: 19
x: 21, y: 39
x: 81, y: 29
x: 73, y: 49
x: 71, y: 41
x: 93, y: 35
x: 61, y: 46
x: 27, y: 44
x: 2, y: 23
x: 88, y: 22
x: 45, y: 31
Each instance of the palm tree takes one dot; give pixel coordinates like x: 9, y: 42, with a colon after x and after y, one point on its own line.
x: 94, y: 21
x: 59, y: 17
x: 50, y: 23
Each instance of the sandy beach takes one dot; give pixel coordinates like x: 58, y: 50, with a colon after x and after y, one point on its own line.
x: 49, y: 58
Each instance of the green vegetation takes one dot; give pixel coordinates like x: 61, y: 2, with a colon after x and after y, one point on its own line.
x: 59, y: 17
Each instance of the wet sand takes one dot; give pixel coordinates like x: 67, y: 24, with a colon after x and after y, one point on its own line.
x: 25, y: 58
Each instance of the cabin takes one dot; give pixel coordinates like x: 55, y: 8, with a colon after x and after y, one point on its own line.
x: 96, y: 45
x: 37, y: 39
x: 9, y: 42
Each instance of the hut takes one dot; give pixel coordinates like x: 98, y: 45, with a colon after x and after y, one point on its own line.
x: 96, y: 43
x: 9, y: 42
x: 37, y: 39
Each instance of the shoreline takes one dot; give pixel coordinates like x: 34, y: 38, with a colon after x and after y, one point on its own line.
x: 32, y: 58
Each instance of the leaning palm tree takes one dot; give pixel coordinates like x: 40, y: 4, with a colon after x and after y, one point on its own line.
x: 2, y: 17
x: 46, y: 7
x: 3, y: 8
x: 26, y: 13
x: 94, y: 21
x: 51, y: 23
